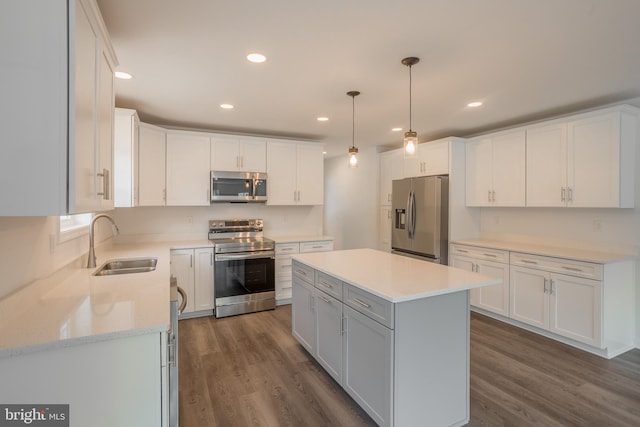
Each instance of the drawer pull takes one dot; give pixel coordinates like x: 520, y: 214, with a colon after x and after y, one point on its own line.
x: 462, y: 250
x: 491, y: 255
x: 316, y: 247
x: 362, y: 303
x: 325, y: 284
x: 286, y: 249
x: 304, y: 273
x: 327, y: 300
x: 579, y: 270
x: 526, y: 261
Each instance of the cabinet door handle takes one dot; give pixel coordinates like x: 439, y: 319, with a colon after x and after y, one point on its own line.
x: 477, y: 268
x: 343, y: 320
x: 489, y: 196
x: 552, y: 287
x: 579, y: 270
x: 563, y: 192
x: 190, y: 261
x: 325, y: 284
x: 327, y: 300
x: 362, y: 303
x: 545, y: 286
x: 493, y: 196
x: 570, y: 196
x: 105, y: 184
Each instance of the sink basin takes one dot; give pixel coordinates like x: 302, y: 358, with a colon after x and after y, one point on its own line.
x: 126, y: 266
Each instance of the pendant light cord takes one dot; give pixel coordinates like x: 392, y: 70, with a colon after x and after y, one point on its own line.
x: 410, y: 100
x: 353, y: 121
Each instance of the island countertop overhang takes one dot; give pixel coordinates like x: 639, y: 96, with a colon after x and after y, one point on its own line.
x: 394, y: 278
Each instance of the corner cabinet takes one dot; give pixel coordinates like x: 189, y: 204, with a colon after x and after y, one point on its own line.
x: 496, y: 170
x: 64, y: 163
x: 295, y: 173
x: 194, y: 270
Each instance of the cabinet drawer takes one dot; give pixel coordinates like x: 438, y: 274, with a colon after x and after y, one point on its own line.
x: 319, y: 246
x: 477, y: 252
x: 283, y: 267
x: 283, y: 285
x: 569, y: 267
x: 303, y: 272
x: 329, y: 284
x: 370, y: 305
x: 287, y: 249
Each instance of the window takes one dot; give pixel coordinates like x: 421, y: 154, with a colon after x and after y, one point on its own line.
x: 73, y: 226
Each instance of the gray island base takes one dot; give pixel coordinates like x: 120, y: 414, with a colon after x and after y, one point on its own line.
x: 392, y: 331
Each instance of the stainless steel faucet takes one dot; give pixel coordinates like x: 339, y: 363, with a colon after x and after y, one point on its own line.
x: 91, y: 259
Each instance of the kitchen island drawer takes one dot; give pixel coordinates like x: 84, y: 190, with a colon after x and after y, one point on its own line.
x: 329, y: 284
x: 370, y: 305
x: 569, y: 267
x: 303, y: 272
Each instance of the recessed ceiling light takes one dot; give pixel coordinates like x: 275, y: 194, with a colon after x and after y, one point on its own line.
x: 323, y: 119
x: 474, y: 104
x: 396, y: 129
x: 122, y: 75
x: 256, y: 57
x: 324, y: 152
x: 226, y: 106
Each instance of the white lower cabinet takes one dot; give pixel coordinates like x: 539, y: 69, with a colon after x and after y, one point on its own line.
x: 193, y: 268
x: 586, y: 304
x: 283, y: 276
x: 114, y: 382
x: 329, y: 331
x: 565, y: 305
x: 303, y: 322
x: 368, y: 364
x: 487, y: 261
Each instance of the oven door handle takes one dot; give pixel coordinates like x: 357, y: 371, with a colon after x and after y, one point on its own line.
x: 245, y: 255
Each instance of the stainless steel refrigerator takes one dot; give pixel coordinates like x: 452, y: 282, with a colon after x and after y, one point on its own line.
x: 420, y: 226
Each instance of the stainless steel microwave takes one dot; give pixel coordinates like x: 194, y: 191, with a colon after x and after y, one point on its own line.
x: 239, y: 187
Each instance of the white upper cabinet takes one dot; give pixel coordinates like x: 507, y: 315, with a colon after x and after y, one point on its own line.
x: 56, y: 136
x: 125, y: 158
x: 152, y: 157
x: 547, y: 165
x: 432, y: 159
x: 583, y: 161
x: 391, y: 167
x: 245, y: 154
x: 496, y: 170
x: 601, y: 157
x: 295, y: 173
x: 188, y: 172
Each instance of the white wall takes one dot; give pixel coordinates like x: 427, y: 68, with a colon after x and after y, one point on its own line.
x: 351, y: 200
x: 28, y: 250
x: 171, y: 223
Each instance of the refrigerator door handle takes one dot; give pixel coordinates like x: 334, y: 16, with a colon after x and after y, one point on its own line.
x: 408, y: 216
x: 413, y: 215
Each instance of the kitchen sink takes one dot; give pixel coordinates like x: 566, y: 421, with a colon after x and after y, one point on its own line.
x: 126, y: 266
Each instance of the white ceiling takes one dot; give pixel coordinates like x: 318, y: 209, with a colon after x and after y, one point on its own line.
x: 525, y: 59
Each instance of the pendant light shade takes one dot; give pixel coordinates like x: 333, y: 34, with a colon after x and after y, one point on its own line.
x: 353, y: 150
x: 410, y: 142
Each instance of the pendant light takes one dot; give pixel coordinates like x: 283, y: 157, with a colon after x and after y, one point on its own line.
x: 410, y: 142
x: 353, y: 150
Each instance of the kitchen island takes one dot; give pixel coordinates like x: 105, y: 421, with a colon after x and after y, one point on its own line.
x: 391, y: 330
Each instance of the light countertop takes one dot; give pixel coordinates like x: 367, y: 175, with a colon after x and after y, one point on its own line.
x: 394, y: 278
x: 71, y: 306
x: 588, y: 255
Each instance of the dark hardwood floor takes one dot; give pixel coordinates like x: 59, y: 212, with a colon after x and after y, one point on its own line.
x: 249, y: 371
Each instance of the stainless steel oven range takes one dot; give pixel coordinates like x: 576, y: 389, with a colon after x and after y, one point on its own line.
x: 244, y: 270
